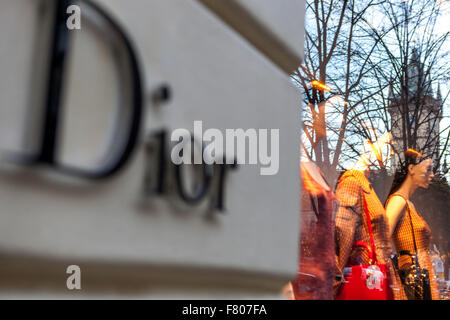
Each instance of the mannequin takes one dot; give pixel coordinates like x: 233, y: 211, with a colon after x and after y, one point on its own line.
x: 351, y: 223
x: 314, y: 171
x: 404, y: 218
x: 315, y: 275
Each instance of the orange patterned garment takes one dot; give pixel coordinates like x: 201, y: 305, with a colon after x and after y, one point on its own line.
x: 351, y: 227
x: 403, y: 241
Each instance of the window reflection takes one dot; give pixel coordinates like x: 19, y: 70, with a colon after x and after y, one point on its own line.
x: 375, y: 89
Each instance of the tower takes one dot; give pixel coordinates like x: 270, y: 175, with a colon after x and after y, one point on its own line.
x: 415, y: 112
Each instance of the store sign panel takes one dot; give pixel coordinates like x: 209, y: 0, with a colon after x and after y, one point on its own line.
x: 91, y: 176
x: 267, y: 26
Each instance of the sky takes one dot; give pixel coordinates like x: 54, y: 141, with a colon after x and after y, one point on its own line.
x: 442, y: 26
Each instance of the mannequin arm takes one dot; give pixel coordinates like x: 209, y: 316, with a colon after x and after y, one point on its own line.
x: 348, y: 221
x: 395, y: 209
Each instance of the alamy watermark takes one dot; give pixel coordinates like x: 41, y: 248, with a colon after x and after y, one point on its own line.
x: 73, y: 22
x: 239, y: 146
x: 74, y: 280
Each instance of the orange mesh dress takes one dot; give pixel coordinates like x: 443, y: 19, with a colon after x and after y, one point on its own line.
x: 351, y: 227
x: 403, y: 241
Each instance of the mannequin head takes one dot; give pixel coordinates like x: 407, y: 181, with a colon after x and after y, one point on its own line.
x: 374, y: 155
x: 416, y: 169
x: 421, y: 173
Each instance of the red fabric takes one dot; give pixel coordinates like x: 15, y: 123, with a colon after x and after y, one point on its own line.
x: 369, y: 227
x: 365, y: 245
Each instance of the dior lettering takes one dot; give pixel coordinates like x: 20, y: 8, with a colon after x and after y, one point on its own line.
x: 193, y: 164
x: 120, y: 150
x: 162, y: 175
